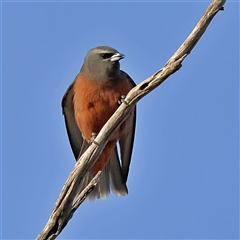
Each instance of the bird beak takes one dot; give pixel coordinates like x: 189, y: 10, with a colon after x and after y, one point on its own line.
x: 117, y: 57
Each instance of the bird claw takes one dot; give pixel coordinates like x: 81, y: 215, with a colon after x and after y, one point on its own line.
x: 92, y: 139
x: 93, y: 135
x: 122, y: 100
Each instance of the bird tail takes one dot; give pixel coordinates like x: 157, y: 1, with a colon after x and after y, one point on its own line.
x: 111, y: 178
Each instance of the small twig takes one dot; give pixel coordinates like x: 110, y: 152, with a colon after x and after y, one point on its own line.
x: 83, y: 195
x: 65, y: 205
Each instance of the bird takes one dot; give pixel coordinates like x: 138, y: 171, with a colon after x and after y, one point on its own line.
x: 90, y: 100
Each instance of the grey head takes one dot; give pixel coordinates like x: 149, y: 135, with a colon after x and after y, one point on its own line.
x: 102, y: 63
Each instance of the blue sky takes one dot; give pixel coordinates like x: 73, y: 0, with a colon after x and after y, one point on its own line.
x: 184, y: 176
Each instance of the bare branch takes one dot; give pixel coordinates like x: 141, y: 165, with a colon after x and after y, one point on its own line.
x: 66, y: 205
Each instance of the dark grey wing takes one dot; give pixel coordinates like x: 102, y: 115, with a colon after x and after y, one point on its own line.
x: 74, y: 134
x: 118, y: 187
x: 126, y: 141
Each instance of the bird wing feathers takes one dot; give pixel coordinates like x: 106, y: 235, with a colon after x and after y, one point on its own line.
x: 74, y: 134
x: 126, y: 141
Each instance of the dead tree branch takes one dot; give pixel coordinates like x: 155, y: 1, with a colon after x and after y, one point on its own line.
x: 66, y: 205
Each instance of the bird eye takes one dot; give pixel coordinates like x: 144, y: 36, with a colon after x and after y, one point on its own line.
x: 106, y: 55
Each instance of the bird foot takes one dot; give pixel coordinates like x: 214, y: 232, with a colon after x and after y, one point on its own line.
x: 122, y: 100
x: 92, y: 139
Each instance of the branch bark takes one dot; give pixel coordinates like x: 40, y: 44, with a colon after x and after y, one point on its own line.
x: 67, y: 202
